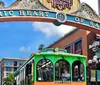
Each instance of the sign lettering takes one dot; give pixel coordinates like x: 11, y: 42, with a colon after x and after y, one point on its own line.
x: 8, y: 13
x: 61, y: 4
x: 59, y: 16
x: 91, y: 23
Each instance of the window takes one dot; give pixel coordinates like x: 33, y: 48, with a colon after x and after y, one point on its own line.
x: 44, y: 70
x: 21, y: 63
x: 15, y: 68
x: 78, y: 47
x: 15, y: 63
x: 8, y: 63
x: 8, y: 69
x: 7, y: 74
x: 68, y: 49
x: 62, y: 71
x: 77, y: 71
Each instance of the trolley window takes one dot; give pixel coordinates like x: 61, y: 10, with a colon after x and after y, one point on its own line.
x: 45, y: 70
x: 77, y: 71
x: 62, y: 71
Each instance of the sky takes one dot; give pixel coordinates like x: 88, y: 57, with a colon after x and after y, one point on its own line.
x: 20, y: 39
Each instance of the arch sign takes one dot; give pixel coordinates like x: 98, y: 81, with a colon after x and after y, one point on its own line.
x: 54, y: 11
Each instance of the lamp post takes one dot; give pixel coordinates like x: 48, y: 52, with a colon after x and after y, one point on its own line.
x: 89, y: 71
x: 94, y: 62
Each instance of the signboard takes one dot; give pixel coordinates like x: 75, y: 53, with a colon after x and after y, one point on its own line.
x: 95, y: 45
x: 98, y: 53
x: 93, y: 76
x: 98, y: 75
x: 20, y: 12
x: 54, y: 11
x: 66, y: 6
x: 47, y: 14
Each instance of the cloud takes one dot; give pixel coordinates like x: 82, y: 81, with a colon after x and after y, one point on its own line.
x: 51, y: 30
x: 25, y: 49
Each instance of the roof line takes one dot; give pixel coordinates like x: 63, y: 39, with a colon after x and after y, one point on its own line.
x: 67, y: 35
x: 13, y: 59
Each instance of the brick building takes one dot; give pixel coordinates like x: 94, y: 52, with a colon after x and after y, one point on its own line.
x: 77, y: 42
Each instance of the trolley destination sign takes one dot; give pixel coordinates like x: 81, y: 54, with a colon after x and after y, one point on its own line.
x: 48, y: 14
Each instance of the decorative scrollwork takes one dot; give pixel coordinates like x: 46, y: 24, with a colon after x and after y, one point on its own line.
x: 2, y: 4
x: 27, y: 4
x: 87, y: 12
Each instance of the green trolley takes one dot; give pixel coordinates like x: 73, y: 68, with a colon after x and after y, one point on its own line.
x: 51, y: 67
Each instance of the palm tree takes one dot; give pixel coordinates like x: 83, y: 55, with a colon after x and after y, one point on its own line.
x: 41, y: 47
x: 9, y: 80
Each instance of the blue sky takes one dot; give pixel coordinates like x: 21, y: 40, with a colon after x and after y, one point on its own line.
x: 20, y: 39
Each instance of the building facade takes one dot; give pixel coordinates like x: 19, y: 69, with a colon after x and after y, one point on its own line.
x: 77, y: 42
x: 8, y: 66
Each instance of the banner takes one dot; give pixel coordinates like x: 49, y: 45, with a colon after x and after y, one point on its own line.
x: 98, y: 75
x: 93, y: 76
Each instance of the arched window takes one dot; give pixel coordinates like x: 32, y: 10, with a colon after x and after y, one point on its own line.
x: 44, y: 70
x: 77, y: 71
x: 62, y: 71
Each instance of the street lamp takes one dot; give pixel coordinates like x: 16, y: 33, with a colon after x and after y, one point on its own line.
x: 94, y: 61
x: 90, y: 61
